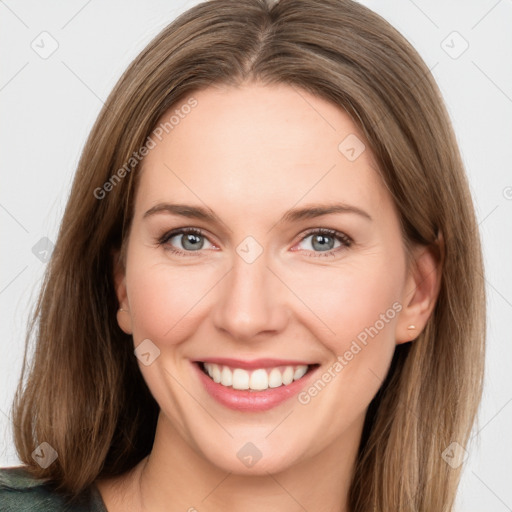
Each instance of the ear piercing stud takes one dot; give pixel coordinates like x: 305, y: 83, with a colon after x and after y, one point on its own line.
x: 125, y: 310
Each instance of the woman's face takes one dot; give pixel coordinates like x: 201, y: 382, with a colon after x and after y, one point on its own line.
x: 256, y: 291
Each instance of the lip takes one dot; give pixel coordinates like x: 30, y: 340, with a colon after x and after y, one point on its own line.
x: 254, y: 364
x: 251, y: 401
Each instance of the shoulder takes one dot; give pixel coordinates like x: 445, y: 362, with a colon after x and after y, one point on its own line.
x: 21, y: 492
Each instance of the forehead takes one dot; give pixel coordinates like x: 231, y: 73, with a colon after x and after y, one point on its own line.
x: 259, y: 147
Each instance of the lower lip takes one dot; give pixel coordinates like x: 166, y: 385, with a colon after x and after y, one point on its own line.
x: 252, y: 401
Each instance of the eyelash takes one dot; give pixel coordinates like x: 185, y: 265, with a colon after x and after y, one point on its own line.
x: 345, y: 240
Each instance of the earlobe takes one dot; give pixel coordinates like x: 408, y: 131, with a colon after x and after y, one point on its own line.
x: 123, y: 313
x: 420, y: 294
x: 124, y: 320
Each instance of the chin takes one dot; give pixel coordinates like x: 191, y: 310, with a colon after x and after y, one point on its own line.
x: 250, y: 460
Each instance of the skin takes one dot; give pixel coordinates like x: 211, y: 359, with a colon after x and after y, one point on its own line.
x: 250, y: 154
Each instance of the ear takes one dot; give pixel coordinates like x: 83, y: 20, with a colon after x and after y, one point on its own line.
x: 419, y: 294
x: 123, y: 317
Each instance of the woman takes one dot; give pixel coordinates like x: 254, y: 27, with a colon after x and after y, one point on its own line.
x: 266, y: 291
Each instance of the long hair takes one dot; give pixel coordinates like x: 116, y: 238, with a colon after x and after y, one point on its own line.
x: 82, y: 391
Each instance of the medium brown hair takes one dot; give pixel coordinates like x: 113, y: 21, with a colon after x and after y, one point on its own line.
x: 83, y: 392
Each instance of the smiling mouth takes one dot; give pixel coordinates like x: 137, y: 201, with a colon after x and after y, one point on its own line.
x: 260, y: 379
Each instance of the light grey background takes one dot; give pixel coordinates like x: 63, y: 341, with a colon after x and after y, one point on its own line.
x: 48, y: 106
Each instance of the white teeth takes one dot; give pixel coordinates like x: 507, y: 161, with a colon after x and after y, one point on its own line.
x: 257, y: 380
x: 240, y: 379
x: 209, y: 369
x: 275, y: 378
x: 300, y: 372
x: 216, y: 373
x: 226, y: 377
x: 288, y: 375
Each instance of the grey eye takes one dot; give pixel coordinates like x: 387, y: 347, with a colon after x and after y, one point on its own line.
x: 189, y: 241
x: 320, y: 242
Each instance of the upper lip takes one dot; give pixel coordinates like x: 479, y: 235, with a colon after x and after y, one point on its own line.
x: 254, y: 363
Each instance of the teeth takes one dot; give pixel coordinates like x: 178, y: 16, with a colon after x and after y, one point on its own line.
x: 275, y: 379
x: 288, y: 375
x: 257, y: 380
x: 226, y: 377
x: 209, y: 368
x: 216, y: 373
x: 300, y: 372
x: 240, y: 379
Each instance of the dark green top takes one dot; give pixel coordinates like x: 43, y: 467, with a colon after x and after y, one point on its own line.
x: 21, y: 492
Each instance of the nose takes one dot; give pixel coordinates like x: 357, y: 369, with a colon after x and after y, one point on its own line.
x: 252, y: 302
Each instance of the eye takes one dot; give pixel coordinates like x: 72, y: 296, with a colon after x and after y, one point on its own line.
x: 191, y: 239
x: 323, y: 242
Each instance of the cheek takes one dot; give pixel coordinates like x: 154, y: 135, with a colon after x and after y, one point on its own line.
x: 357, y: 301
x: 165, y: 299
x: 358, y: 308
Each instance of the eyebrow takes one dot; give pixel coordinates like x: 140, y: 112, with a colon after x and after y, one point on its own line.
x: 293, y: 215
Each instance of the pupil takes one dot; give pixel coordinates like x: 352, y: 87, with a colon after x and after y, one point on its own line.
x: 321, y: 239
x: 192, y: 239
